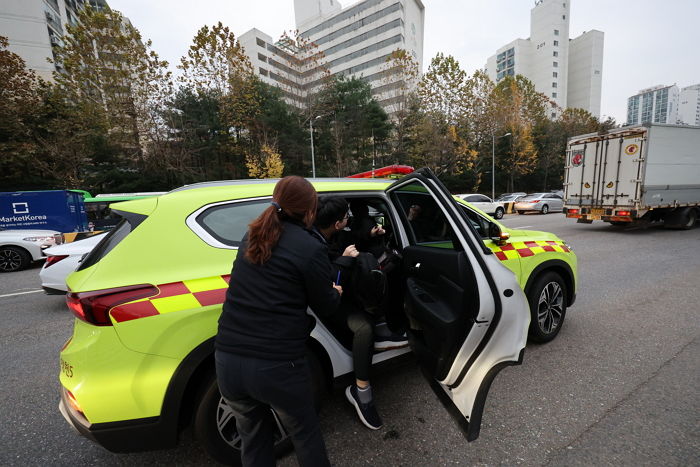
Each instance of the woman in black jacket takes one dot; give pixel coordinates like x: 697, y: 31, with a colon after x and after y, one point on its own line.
x: 280, y: 270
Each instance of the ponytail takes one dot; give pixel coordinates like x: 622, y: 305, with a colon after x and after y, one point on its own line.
x: 263, y: 234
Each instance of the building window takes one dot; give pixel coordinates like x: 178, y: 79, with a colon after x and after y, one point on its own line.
x: 555, y: 54
x: 263, y: 71
x: 554, y: 115
x: 555, y: 64
x: 556, y: 43
x: 563, y: 16
x: 554, y: 74
x: 260, y: 42
x: 554, y: 95
x: 596, y: 72
x: 556, y: 32
x: 554, y: 85
x: 262, y: 58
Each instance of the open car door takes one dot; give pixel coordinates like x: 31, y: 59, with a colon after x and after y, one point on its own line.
x: 468, y: 316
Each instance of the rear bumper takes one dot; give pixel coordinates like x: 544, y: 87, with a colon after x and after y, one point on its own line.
x: 143, y: 434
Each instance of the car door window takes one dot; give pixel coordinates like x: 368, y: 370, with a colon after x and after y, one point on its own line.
x: 481, y: 225
x: 425, y: 222
x: 227, y: 223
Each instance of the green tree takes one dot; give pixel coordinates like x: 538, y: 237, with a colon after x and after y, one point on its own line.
x: 19, y: 99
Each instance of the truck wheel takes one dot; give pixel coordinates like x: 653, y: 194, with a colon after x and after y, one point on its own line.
x: 547, y: 299
x: 499, y: 213
x: 691, y: 218
x: 215, y: 425
x: 13, y: 258
x: 545, y: 209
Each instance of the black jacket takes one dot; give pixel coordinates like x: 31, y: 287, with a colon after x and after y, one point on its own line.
x: 264, y: 314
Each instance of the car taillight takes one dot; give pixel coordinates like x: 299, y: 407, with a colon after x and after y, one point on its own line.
x: 93, y: 307
x: 535, y: 201
x: 53, y: 259
x: 623, y: 213
x: 72, y: 401
x: 572, y: 211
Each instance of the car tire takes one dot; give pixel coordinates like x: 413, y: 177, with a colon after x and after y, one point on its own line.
x: 223, y: 443
x: 547, y: 299
x: 545, y: 209
x: 499, y: 213
x: 521, y: 212
x: 13, y: 258
x: 619, y: 223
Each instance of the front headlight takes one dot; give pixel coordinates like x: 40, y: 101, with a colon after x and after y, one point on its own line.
x: 569, y: 246
x: 39, y: 239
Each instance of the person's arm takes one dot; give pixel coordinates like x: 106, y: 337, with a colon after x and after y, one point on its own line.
x: 322, y: 296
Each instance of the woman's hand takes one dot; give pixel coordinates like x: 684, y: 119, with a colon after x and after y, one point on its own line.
x: 338, y: 288
x: 351, y: 251
x: 377, y: 230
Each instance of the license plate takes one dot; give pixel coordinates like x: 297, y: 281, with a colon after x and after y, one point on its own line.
x: 597, y: 212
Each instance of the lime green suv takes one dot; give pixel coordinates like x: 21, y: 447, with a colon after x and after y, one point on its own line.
x: 139, y: 366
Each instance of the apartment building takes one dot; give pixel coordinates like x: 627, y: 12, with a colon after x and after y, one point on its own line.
x: 355, y: 41
x: 34, y: 27
x: 657, y: 104
x: 568, y: 71
x: 689, y: 107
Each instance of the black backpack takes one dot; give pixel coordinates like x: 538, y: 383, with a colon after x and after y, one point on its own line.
x: 368, y: 283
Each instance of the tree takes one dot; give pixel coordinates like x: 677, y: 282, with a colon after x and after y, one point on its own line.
x: 267, y: 164
x: 397, y: 90
x: 19, y: 98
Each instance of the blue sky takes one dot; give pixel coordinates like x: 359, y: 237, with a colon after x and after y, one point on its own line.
x: 646, y: 42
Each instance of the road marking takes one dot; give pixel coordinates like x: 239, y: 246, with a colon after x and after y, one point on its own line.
x: 522, y: 226
x: 20, y: 293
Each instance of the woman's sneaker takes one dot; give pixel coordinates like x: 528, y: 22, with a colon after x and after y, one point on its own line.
x: 385, y: 339
x: 367, y: 412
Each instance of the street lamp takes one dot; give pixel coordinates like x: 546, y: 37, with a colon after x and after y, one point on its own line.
x: 311, y: 134
x: 493, y: 163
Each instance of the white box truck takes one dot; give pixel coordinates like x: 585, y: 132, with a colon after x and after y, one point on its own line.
x: 635, y: 175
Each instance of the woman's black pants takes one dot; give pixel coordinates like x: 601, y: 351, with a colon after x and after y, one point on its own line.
x: 251, y: 386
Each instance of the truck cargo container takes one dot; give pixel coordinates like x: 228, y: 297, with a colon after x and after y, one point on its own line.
x: 59, y: 210
x: 635, y: 176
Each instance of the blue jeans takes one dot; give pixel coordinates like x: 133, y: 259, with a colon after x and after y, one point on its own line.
x: 251, y: 386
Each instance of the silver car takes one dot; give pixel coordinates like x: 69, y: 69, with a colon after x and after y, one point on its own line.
x: 539, y: 202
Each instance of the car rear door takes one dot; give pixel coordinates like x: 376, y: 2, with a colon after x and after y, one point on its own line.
x: 468, y: 317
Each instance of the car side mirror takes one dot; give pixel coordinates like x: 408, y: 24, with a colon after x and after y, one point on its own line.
x: 497, y: 236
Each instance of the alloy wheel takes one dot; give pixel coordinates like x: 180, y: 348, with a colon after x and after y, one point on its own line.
x: 10, y: 260
x: 226, y: 424
x: 550, y: 307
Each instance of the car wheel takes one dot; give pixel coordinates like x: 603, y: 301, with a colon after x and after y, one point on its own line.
x: 547, y: 299
x: 215, y: 425
x: 499, y: 213
x: 545, y: 209
x: 13, y: 258
x: 521, y: 212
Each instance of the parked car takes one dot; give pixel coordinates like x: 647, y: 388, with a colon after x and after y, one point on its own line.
x: 510, y: 197
x: 19, y: 248
x: 539, y: 202
x: 484, y: 203
x: 139, y: 366
x: 62, y: 260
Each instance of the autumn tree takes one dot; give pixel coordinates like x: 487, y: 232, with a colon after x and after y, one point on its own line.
x: 397, y: 90
x: 266, y: 164
x: 19, y: 98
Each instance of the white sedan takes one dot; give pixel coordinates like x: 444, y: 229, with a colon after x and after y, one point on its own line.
x: 484, y: 203
x: 62, y: 260
x: 19, y: 248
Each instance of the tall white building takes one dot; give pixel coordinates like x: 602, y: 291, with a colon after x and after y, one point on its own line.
x: 34, y: 27
x: 689, y: 107
x: 354, y: 41
x: 568, y: 71
x: 658, y: 104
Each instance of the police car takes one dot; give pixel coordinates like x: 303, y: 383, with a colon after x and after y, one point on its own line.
x: 139, y: 365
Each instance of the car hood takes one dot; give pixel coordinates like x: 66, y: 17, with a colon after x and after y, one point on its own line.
x: 517, y: 235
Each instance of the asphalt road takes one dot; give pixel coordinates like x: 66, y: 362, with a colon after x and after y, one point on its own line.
x: 619, y: 386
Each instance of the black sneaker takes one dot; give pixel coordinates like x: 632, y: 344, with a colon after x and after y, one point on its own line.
x: 385, y: 339
x: 367, y: 412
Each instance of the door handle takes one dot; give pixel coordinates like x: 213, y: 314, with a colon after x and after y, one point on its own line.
x: 414, y: 269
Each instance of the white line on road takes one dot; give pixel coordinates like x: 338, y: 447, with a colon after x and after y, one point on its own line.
x: 522, y: 226
x: 20, y: 293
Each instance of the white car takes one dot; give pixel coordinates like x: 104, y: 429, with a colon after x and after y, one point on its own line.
x: 62, y: 260
x: 539, y: 202
x: 484, y: 203
x: 19, y: 248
